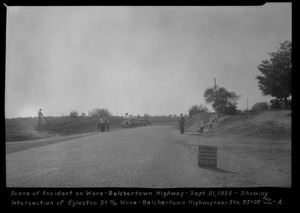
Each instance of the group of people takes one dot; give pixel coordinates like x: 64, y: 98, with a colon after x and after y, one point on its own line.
x: 103, y: 124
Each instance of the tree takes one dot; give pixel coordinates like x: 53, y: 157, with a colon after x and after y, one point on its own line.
x: 146, y: 115
x: 227, y: 101
x: 196, y: 109
x: 73, y: 114
x: 98, y: 112
x: 276, y: 73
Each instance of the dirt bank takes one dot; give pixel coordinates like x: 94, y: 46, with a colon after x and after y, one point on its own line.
x: 253, y: 150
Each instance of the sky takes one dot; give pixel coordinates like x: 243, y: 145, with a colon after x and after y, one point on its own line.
x: 137, y: 59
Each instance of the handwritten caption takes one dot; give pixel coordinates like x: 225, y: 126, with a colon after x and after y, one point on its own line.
x: 151, y: 197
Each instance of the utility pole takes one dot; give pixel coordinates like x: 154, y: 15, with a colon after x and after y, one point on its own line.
x: 247, y: 104
x: 217, y: 102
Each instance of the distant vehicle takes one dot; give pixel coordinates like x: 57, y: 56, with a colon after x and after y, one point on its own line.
x: 135, y: 122
x: 129, y: 122
x: 143, y: 121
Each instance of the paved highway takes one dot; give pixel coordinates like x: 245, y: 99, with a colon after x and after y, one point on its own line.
x: 152, y: 156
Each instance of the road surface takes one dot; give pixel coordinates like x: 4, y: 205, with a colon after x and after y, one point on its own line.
x: 150, y: 157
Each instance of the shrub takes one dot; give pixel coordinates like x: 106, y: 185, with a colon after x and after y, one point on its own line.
x: 229, y: 110
x: 260, y: 106
x: 73, y: 114
x: 195, y: 109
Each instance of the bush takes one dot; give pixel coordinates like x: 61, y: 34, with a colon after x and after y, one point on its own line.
x: 260, y: 106
x: 229, y: 110
x: 195, y: 109
x: 100, y: 112
x: 73, y: 114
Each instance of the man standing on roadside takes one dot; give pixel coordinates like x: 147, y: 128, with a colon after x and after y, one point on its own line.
x: 181, y: 123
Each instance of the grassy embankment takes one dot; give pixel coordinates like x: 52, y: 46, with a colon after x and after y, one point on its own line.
x: 21, y: 129
x: 270, y: 123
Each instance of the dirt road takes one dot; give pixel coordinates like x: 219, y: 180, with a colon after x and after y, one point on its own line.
x: 152, y: 156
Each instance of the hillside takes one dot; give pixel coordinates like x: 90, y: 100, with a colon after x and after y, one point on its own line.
x: 273, y: 123
x: 193, y: 123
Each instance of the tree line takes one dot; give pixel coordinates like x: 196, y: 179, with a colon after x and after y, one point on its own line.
x: 103, y: 112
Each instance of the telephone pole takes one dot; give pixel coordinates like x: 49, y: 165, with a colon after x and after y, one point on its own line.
x: 217, y: 102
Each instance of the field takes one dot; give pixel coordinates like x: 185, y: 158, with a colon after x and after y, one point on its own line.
x: 21, y: 129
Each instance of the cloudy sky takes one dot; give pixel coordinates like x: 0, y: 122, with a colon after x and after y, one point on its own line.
x: 156, y: 60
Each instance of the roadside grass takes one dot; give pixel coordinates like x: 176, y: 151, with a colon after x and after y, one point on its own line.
x: 21, y: 129
x: 23, y: 135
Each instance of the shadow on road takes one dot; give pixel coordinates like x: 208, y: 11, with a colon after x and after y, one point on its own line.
x: 217, y: 170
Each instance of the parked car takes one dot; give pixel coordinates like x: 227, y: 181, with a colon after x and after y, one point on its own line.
x: 129, y: 122
x: 143, y: 121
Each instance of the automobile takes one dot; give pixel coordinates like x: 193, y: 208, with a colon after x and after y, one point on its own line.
x: 135, y: 122
x: 143, y: 121
x: 129, y: 122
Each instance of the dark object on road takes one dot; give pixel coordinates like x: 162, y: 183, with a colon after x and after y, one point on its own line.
x: 181, y: 124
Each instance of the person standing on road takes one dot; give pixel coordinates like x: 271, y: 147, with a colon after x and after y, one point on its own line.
x: 181, y: 123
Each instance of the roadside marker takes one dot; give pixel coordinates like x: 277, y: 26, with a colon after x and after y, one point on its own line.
x: 207, y: 156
